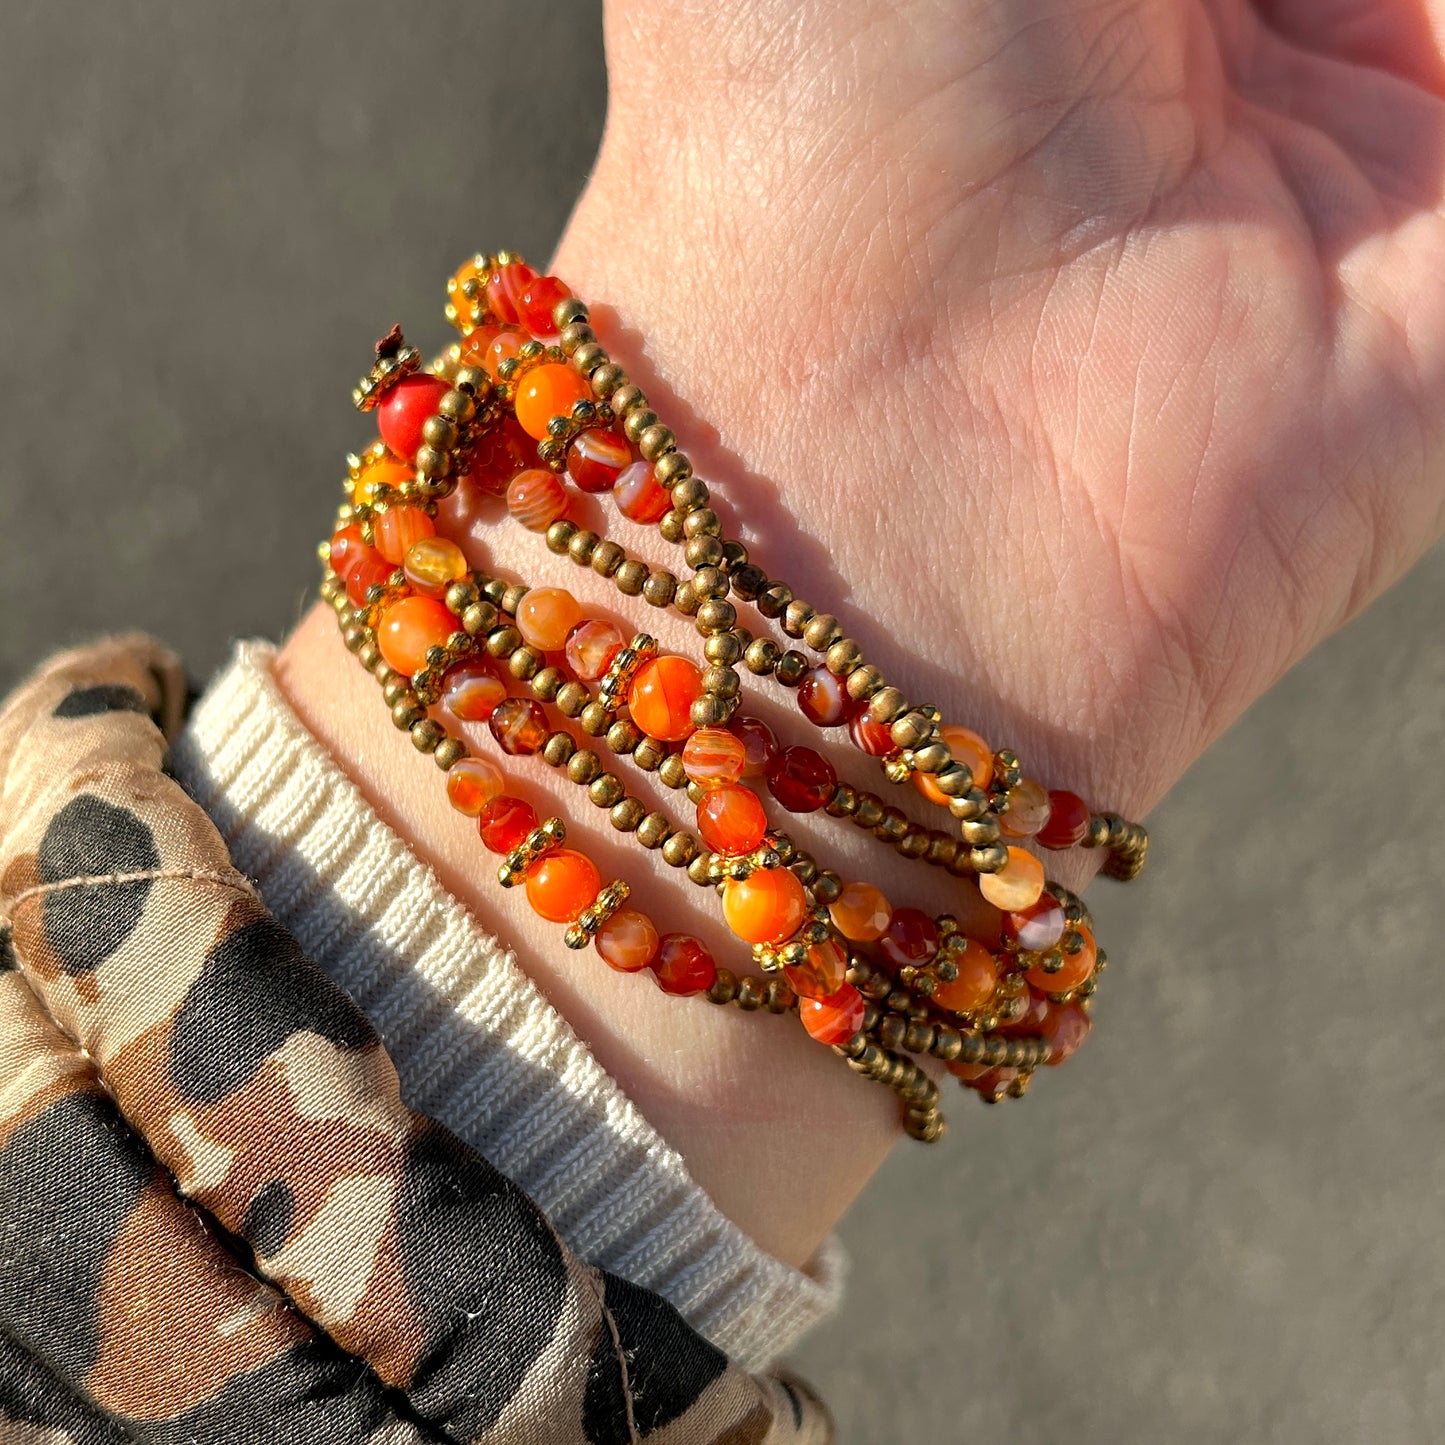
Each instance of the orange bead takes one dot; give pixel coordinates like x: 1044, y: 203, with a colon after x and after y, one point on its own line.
x: 712, y: 757
x: 383, y: 472
x: 627, y: 941
x: 861, y: 912
x: 591, y: 646
x: 548, y: 391
x: 661, y: 697
x: 1028, y: 809
x: 408, y: 628
x: 977, y: 979
x: 766, y: 908
x: 545, y: 616
x: 1017, y: 885
x: 472, y: 783
x: 1078, y: 967
x: 432, y: 564
x: 822, y: 973
x: 562, y: 884
x: 967, y: 748
x: 467, y: 290
x: 489, y: 346
x: 536, y: 499
x: 397, y: 528
x: 731, y: 820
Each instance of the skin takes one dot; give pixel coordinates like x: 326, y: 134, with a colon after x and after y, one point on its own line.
x: 1086, y: 359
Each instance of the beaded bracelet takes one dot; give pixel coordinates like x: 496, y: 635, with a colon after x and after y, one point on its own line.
x: 528, y: 396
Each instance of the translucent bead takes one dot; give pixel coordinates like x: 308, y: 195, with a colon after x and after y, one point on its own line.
x: 730, y: 820
x: 1078, y: 968
x: 767, y: 907
x: 591, y: 646
x: 1028, y: 809
x: 661, y: 697
x: 536, y: 499
x: 432, y: 564
x: 562, y: 884
x: 639, y: 495
x: 801, y: 779
x: 498, y: 456
x: 471, y: 691
x: 991, y: 1083
x: 397, y: 528
x: 967, y: 748
x: 547, y: 391
x: 348, y: 547
x: 911, y: 937
x: 489, y: 346
x: 538, y: 300
x: 823, y: 971
x: 1068, y: 823
x: 712, y: 757
x: 760, y: 744
x: 873, y: 738
x: 404, y: 411
x: 472, y: 783
x: 367, y: 572
x: 519, y: 725
x: 377, y: 474
x: 545, y: 616
x: 1017, y: 885
x: 1066, y: 1026
x: 1036, y: 928
x: 977, y: 979
x: 457, y: 295
x: 833, y: 1020
x: 628, y: 941
x: 410, y: 626
x: 595, y: 458
x: 505, y: 822
x: 822, y: 698
x: 682, y: 965
x: 861, y: 912
x: 505, y: 288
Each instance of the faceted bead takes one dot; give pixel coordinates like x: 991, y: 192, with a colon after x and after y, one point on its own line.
x: 1078, y: 968
x: 1028, y: 809
x: 432, y: 564
x: 682, y: 965
x: 835, y: 1019
x: 801, y: 780
x: 1066, y: 1026
x: 977, y: 979
x: 471, y: 691
x: 505, y: 287
x: 591, y: 646
x: 562, y: 884
x: 519, y: 725
x: 547, y: 391
x: 730, y: 819
x: 912, y: 937
x: 627, y: 941
x: 767, y: 907
x: 1017, y: 885
x: 367, y: 572
x: 382, y: 472
x: 536, y: 498
x: 822, y: 698
x: 823, y: 971
x: 472, y: 783
x: 410, y: 626
x: 537, y: 302
x: 873, y: 738
x: 404, y: 411
x: 1068, y: 823
x: 967, y: 748
x: 347, y: 549
x: 993, y: 1083
x: 760, y: 744
x: 505, y: 822
x: 545, y: 616
x: 397, y: 528
x: 861, y: 912
x: 640, y: 496
x: 499, y: 455
x: 713, y: 757
x: 595, y: 458
x: 1038, y: 927
x: 661, y: 697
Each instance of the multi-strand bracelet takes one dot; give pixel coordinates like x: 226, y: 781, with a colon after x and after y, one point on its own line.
x: 528, y: 406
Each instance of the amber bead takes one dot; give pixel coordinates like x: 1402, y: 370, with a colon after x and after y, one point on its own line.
x: 432, y: 564
x: 628, y: 941
x: 505, y: 822
x: 823, y: 971
x: 595, y: 458
x: 519, y: 725
x: 835, y: 1019
x: 471, y: 690
x: 499, y: 455
x: 1038, y: 927
x: 398, y: 528
x: 760, y: 745
x: 382, y: 472
x: 977, y: 979
x: 860, y: 912
x: 822, y: 698
x: 472, y: 783
x: 1028, y: 809
x: 404, y: 411
x: 545, y: 616
x: 562, y: 884
x: 590, y: 647
x: 536, y: 498
x: 1078, y: 968
x: 536, y: 303
x: 967, y: 748
x: 1017, y: 885
x: 505, y: 287
x: 801, y: 779
x: 767, y: 907
x: 410, y: 626
x: 730, y: 819
x: 873, y: 738
x: 1066, y: 1026
x: 713, y: 757
x: 682, y: 965
x: 639, y: 495
x: 547, y: 391
x: 1068, y: 823
x: 911, y: 937
x: 661, y: 697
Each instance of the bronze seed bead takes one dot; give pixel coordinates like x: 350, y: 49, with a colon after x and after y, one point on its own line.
x: 704, y: 522
x: 583, y: 766
x: 980, y: 832
x: 827, y: 887
x: 864, y: 681
x: 426, y: 734
x: 989, y: 859
x: 710, y: 711
x: 892, y: 826
x: 649, y: 754
x: 638, y: 420
x: 751, y: 993
x: 479, y: 618
x: 914, y: 842
x: 449, y: 752
x: 774, y: 599
x: 720, y: 681
x: 932, y: 757
x: 804, y: 868
x: 394, y: 689
x: 710, y: 581
x: 842, y: 657
x: 560, y: 534
x: 606, y: 378
x: 670, y: 525
x: 724, y: 649
x: 962, y: 864
x: 461, y: 595
x: 869, y: 813
x: 568, y: 311
x: 748, y: 581
x: 942, y: 849
x: 685, y: 599
x: 626, y: 815
x: 607, y: 557
x: 659, y: 588
x: 512, y: 598
x: 792, y: 668
x: 762, y: 656
x: 580, y: 549
x: 355, y: 637
x: 954, y: 779
x: 595, y: 719
x: 887, y: 705
x: 716, y: 615
x: 493, y: 589
x: 503, y: 641
x: 918, y: 1038
x: 912, y: 730
x: 671, y: 468
x: 369, y: 654
x: 440, y: 431
x: 970, y: 804
x: 606, y: 790
x: 558, y: 749
x: 680, y: 850
x: 572, y: 697
x: 724, y: 987
x: 779, y: 998
x: 672, y: 772
x: 891, y: 1029
x: 656, y: 441
x: 689, y: 494
x: 525, y: 662
x: 627, y: 397
x: 546, y: 684
x: 653, y: 831
x: 947, y: 1041
x: 844, y: 802
x: 407, y: 713
x: 735, y: 555
x: 631, y: 577
x: 575, y: 334
x: 822, y: 632
x: 698, y: 870
x: 796, y: 617
x: 588, y: 357
x: 623, y: 736
x: 458, y: 406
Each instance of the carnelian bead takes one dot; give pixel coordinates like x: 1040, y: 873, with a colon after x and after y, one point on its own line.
x: 911, y: 937
x: 1028, y: 809
x: 766, y: 907
x: 1066, y: 1026
x: 432, y: 564
x: 993, y: 1083
x: 596, y: 457
x: 977, y: 979
x: 760, y: 744
x: 410, y: 626
x: 967, y: 748
x: 472, y: 349
x: 471, y: 691
x: 505, y: 287
x: 661, y: 697
x: 547, y: 391
x: 545, y: 616
x: 536, y: 499
x: 627, y: 941
x: 591, y: 646
x: 499, y: 455
x: 682, y: 965
x: 348, y: 547
x: 367, y: 572
x: 860, y: 912
x: 562, y: 884
x: 1068, y: 823
x: 835, y: 1019
x: 472, y: 783
x: 801, y: 779
x: 713, y: 757
x: 822, y: 698
x: 1078, y: 968
x: 1031, y: 1021
x: 505, y: 822
x: 730, y: 820
x: 382, y: 472
x: 869, y: 736
x: 537, y: 302
x: 1037, y: 927
x: 404, y: 411
x: 489, y: 346
x: 397, y: 528
x: 519, y: 725
x: 967, y: 1072
x: 823, y: 971
x: 639, y: 495
x: 1017, y: 885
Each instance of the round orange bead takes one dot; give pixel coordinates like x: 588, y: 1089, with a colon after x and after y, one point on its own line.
x: 408, y: 628
x: 1078, y: 968
x: 731, y: 820
x: 397, y: 528
x: 562, y: 884
x: 548, y: 391
x: 472, y: 783
x: 383, y: 472
x: 977, y: 979
x: 536, y: 499
x: 713, y: 757
x: 1017, y: 885
x: 545, y: 616
x: 432, y: 564
x: 661, y: 697
x: 627, y: 941
x: 591, y: 646
x: 822, y: 973
x: 861, y: 912
x: 765, y: 908
x: 967, y: 748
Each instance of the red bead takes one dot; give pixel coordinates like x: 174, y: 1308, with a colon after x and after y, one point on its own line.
x: 801, y: 780
x: 537, y: 302
x: 730, y: 819
x: 347, y: 549
x: 499, y: 455
x: 1068, y: 823
x: 627, y: 941
x: 397, y: 528
x: 683, y: 965
x: 368, y: 572
x: 822, y: 698
x: 519, y: 725
x: 823, y: 971
x: 759, y: 742
x: 639, y: 495
x: 505, y: 822
x: 404, y: 410
x: 993, y: 1083
x: 596, y: 457
x: 471, y: 690
x: 1066, y: 1026
x: 835, y: 1019
x: 873, y: 738
x: 1036, y: 928
x: 1031, y: 1021
x: 912, y: 937
x: 505, y: 287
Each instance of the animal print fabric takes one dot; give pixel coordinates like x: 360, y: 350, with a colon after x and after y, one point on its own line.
x: 218, y: 1220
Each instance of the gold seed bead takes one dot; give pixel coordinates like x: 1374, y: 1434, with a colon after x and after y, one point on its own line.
x: 716, y: 615
x: 980, y: 832
x: 623, y: 736
x: 827, y: 886
x: 525, y: 662
x: 659, y: 589
x: 546, y: 684
x: 656, y: 441
x: 572, y: 697
x: 804, y: 868
x: 723, y: 649
x: 479, y: 618
x: 796, y: 617
x: 627, y: 397
x: 494, y: 589
x: 595, y: 719
x: 680, y: 850
x: 653, y: 831
x: 947, y: 1041
x: 607, y: 557
x: 560, y: 534
x: 842, y: 657
x: 887, y: 705
x: 512, y: 598
x: 558, y: 749
x: 637, y: 421
x: 709, y: 581
x: 407, y: 713
x: 394, y: 689
x: 426, y: 735
x: 649, y: 753
x: 762, y: 656
x: 606, y: 790
x: 626, y: 815
x: 700, y: 870
x: 869, y: 813
x: 970, y: 804
x: 844, y: 802
x: 461, y: 595
x: 864, y: 681
x: 685, y: 599
x: 912, y: 730
x: 703, y: 523
x: 431, y: 461
x: 774, y: 599
x: 369, y: 654
x: 580, y: 547
x: 440, y: 431
x: 671, y: 468
x: 355, y: 637
x: 583, y: 766
x: 672, y: 772
x: 631, y: 576
x: 989, y: 859
x: 752, y: 994
x: 670, y: 525
x: 689, y: 494
x: 458, y: 406
x: 473, y: 380
x: 822, y: 632
x: 720, y: 682
x: 724, y: 987
x: 709, y: 711
x: 606, y: 378
x: 588, y: 357
x: 792, y: 668
x: 503, y: 641
x: 569, y: 311
x: 575, y: 334
x: 891, y: 1030
x: 931, y: 757
x: 449, y: 752
x: 918, y: 1038
x: 954, y: 779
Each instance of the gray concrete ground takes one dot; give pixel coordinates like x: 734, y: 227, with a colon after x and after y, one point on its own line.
x: 1223, y: 1222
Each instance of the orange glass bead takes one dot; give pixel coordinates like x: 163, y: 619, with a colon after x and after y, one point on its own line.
x: 536, y: 498
x: 861, y: 912
x: 382, y: 472
x: 1017, y: 885
x: 1078, y: 968
x: 537, y: 302
x: 713, y: 757
x: 1065, y: 1027
x: 472, y: 783
x: 498, y: 455
x: 562, y: 884
x: 432, y: 564
x: 822, y: 973
x: 471, y: 690
x: 765, y: 908
x: 397, y: 528
x: 977, y: 979
x: 627, y: 941
x: 545, y: 616
x: 408, y: 628
x: 731, y: 820
x: 591, y: 646
x: 1028, y: 809
x: 547, y: 391
x: 661, y: 697
x: 505, y: 822
x: 967, y: 748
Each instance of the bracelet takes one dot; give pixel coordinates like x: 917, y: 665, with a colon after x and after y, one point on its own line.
x: 528, y: 397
